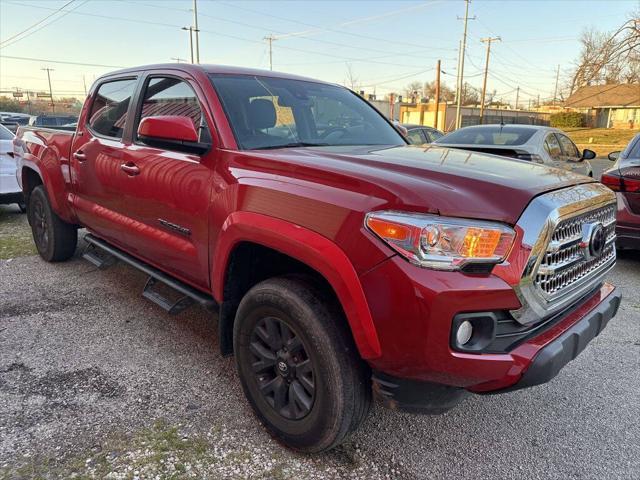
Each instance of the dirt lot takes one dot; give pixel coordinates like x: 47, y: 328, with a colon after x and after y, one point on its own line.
x: 96, y: 382
x: 601, y: 140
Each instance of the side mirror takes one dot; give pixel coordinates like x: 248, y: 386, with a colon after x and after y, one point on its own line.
x: 588, y: 154
x: 172, y: 132
x: 613, y: 156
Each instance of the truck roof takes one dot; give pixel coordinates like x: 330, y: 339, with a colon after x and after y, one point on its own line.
x: 209, y: 68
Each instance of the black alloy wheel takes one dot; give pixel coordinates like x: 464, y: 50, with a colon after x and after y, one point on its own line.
x: 39, y: 224
x: 282, y: 368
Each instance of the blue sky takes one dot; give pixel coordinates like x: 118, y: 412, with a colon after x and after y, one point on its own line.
x: 387, y: 44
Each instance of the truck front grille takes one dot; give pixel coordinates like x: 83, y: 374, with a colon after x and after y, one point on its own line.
x: 565, y: 266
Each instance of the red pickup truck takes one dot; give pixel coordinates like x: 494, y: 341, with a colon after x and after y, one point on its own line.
x: 344, y: 263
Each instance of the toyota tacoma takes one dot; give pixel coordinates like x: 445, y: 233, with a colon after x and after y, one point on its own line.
x: 344, y: 264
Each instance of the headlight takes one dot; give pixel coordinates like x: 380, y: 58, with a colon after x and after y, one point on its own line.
x: 441, y: 243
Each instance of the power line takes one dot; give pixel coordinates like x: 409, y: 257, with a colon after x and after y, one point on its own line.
x: 59, y: 17
x: 341, y: 32
x: 225, y: 35
x: 37, y: 23
x: 31, y: 59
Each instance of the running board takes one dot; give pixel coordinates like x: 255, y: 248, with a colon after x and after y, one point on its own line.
x: 157, y: 280
x: 98, y: 258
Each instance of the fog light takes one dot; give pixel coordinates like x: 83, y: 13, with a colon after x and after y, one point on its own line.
x: 465, y: 330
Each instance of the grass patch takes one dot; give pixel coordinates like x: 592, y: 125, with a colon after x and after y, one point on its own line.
x: 602, y: 140
x: 156, y: 451
x: 15, y: 234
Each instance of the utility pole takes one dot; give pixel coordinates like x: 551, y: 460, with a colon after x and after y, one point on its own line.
x: 538, y: 102
x: 486, y: 72
x: 435, y: 121
x: 178, y: 59
x: 84, y: 82
x: 555, y: 91
x: 270, y: 38
x: 190, y: 29
x: 195, y: 26
x: 49, y: 70
x: 461, y: 65
x: 517, y: 96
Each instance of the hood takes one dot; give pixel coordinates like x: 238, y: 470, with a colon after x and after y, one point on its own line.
x: 434, y: 179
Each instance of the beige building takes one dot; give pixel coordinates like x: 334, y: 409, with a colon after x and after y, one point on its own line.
x: 608, y: 106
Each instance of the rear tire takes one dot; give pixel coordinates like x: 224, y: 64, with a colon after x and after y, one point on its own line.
x: 22, y: 207
x: 55, y: 239
x: 298, y: 364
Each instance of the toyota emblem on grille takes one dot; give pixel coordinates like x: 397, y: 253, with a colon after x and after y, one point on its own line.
x: 593, y: 240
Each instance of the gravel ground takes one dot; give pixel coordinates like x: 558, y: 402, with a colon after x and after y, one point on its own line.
x: 96, y: 382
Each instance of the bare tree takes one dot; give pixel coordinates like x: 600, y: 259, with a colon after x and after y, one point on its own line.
x: 446, y: 93
x: 609, y: 57
x: 413, y: 91
x: 352, y: 81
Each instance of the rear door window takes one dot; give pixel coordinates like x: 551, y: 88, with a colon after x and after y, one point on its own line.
x: 416, y: 137
x: 552, y: 146
x: 109, y: 109
x: 433, y: 135
x: 568, y: 147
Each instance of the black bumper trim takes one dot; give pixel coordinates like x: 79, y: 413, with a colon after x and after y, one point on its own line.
x: 553, y: 357
x: 414, y: 396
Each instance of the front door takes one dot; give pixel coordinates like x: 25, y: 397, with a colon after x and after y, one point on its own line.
x: 167, y: 191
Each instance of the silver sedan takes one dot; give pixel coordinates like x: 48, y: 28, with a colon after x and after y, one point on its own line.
x: 545, y: 145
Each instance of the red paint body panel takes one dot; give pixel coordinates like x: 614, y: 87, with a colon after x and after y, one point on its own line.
x: 185, y: 214
x: 309, y: 247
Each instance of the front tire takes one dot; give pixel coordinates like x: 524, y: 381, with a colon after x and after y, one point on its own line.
x: 298, y: 364
x: 55, y: 239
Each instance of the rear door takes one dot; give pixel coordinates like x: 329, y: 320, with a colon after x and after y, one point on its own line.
x: 168, y: 198
x: 96, y: 156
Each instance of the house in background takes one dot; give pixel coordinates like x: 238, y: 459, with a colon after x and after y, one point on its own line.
x: 608, y: 106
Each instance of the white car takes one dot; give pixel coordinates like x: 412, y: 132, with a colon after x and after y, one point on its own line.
x: 546, y: 145
x: 10, y: 191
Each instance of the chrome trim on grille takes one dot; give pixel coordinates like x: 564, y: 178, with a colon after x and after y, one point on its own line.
x: 557, y: 272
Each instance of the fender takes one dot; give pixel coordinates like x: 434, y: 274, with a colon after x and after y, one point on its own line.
x: 34, y: 154
x: 314, y: 250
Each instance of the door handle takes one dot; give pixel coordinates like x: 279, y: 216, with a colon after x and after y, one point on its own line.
x: 81, y: 157
x: 130, y: 169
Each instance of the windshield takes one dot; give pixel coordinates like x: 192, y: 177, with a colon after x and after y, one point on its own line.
x: 489, y: 135
x: 267, y: 112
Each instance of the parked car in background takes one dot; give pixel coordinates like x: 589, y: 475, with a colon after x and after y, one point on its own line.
x: 9, y: 125
x: 544, y: 145
x: 13, y: 120
x: 52, y: 120
x: 624, y: 179
x: 10, y: 191
x: 421, y: 135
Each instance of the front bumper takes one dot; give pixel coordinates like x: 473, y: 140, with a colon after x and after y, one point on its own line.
x: 567, y: 346
x: 430, y: 398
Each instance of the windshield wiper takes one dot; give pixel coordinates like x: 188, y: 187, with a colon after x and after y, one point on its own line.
x: 292, y: 145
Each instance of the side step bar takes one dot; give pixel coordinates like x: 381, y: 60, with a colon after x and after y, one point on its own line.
x: 156, y: 277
